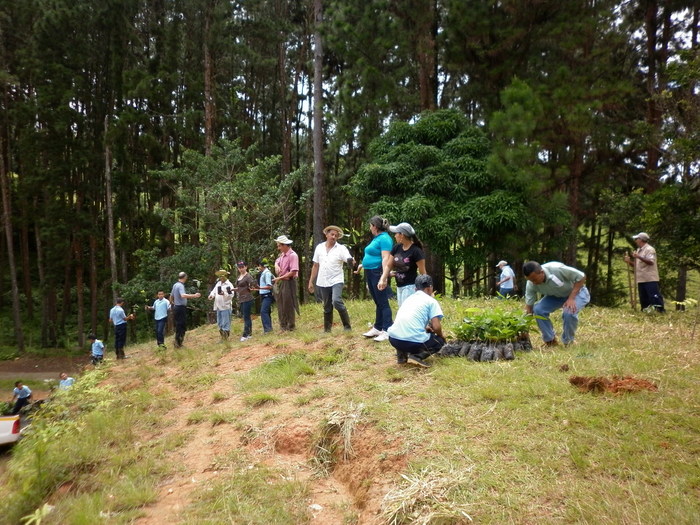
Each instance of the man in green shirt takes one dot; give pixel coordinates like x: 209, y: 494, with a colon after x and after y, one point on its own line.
x: 561, y: 287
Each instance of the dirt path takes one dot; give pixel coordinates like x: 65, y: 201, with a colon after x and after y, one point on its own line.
x: 279, y: 437
x: 41, y: 367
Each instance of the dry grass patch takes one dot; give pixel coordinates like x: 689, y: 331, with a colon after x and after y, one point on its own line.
x: 428, y: 496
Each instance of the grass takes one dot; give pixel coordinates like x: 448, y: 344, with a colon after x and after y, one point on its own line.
x: 280, y: 372
x: 7, y: 385
x: 86, y: 440
x: 250, y: 493
x: 315, y: 393
x: 260, y: 398
x: 504, y: 442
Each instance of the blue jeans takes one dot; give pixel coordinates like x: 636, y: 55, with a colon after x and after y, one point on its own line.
x: 246, y: 308
x: 402, y: 292
x: 549, y: 304
x: 421, y: 350
x: 382, y: 315
x: 266, y: 301
x: 505, y: 292
x: 160, y: 330
x: 223, y: 319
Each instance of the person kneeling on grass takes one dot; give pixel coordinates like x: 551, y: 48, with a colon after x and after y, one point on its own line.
x: 417, y: 331
x: 97, y: 350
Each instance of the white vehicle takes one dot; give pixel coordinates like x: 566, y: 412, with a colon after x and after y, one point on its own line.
x: 9, y: 429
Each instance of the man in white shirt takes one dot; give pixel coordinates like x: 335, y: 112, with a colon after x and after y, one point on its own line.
x: 417, y: 330
x: 506, y: 283
x: 327, y: 273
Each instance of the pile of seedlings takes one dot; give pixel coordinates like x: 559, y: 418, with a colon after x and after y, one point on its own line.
x: 491, y: 335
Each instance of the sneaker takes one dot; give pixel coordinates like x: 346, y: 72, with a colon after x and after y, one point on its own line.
x: 372, y: 333
x: 383, y: 336
x: 414, y: 360
x: 553, y: 342
x: 244, y: 338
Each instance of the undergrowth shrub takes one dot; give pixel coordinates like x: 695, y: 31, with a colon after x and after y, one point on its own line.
x: 84, y: 437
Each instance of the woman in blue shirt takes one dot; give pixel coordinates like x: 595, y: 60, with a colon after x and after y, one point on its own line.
x: 377, y: 254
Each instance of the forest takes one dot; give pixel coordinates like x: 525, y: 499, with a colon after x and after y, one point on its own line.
x: 140, y: 138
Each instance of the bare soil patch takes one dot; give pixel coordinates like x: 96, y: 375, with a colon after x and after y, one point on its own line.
x: 277, y: 436
x: 614, y: 384
x: 49, y: 366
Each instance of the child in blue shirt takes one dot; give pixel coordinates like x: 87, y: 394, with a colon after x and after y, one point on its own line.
x: 98, y: 349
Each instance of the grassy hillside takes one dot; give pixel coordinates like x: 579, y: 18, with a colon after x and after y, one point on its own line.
x: 327, y: 429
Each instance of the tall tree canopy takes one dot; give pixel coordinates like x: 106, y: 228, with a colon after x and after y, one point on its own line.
x: 116, y: 117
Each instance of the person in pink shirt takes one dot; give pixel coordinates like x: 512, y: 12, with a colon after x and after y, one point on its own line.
x: 287, y: 270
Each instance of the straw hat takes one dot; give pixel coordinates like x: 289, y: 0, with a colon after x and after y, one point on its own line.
x: 221, y: 273
x: 336, y: 228
x: 282, y: 239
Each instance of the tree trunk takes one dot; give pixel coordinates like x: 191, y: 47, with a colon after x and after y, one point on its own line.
x: 426, y: 54
x: 110, y: 213
x: 94, y: 296
x: 576, y: 173
x: 319, y: 168
x: 26, y: 274
x: 285, y: 102
x: 653, y: 114
x: 209, y: 84
x: 7, y: 225
x: 682, y: 287
x: 79, y: 288
x: 41, y: 272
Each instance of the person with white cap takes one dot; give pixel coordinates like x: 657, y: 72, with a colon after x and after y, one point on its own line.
x: 407, y: 259
x: 222, y: 295
x: 327, y: 274
x: 506, y: 282
x: 287, y: 270
x: 646, y: 273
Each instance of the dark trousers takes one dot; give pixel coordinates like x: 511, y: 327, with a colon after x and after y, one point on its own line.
x: 120, y: 340
x: 246, y: 308
x: 160, y: 330
x: 420, y: 350
x: 382, y: 313
x: 287, y: 304
x: 97, y: 359
x: 19, y: 404
x: 332, y: 297
x: 180, y: 318
x: 266, y: 311
x: 650, y: 295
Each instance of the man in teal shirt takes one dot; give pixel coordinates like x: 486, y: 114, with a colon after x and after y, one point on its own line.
x: 561, y: 287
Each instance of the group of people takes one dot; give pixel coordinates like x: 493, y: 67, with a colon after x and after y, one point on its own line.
x: 416, y: 332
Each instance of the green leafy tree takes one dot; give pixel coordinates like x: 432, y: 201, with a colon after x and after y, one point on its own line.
x: 433, y: 173
x: 239, y: 204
